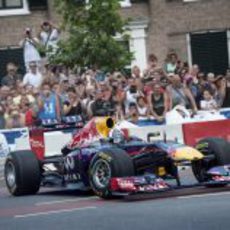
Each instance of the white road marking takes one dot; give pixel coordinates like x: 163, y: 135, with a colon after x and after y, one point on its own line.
x: 203, y: 195
x: 66, y: 200
x: 53, y: 212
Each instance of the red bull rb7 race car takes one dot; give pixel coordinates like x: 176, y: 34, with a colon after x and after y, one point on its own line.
x: 105, y: 159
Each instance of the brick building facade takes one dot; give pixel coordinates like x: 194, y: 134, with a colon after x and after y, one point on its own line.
x: 157, y: 26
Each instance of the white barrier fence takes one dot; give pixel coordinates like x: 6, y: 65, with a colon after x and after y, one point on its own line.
x: 171, y: 132
x: 19, y: 139
x: 14, y: 139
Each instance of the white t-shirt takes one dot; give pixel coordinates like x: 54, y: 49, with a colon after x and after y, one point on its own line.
x: 131, y: 98
x: 33, y: 79
x: 142, y: 111
x: 208, y: 105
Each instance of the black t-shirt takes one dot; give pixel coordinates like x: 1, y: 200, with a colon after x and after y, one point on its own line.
x: 75, y: 110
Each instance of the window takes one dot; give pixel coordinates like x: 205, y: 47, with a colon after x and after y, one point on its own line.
x: 14, y: 55
x: 125, y: 3
x: 13, y: 7
x: 38, y: 4
x: 210, y: 51
x: 11, y: 4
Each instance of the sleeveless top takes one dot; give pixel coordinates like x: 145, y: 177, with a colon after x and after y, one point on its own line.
x: 158, y: 104
x: 49, y: 108
x: 75, y: 110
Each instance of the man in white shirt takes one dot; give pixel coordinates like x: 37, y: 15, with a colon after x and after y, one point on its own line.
x: 33, y: 77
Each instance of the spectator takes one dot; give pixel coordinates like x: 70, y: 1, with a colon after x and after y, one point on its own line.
x: 2, y: 117
x: 152, y: 65
x: 158, y: 101
x: 142, y: 107
x: 192, y: 82
x: 171, y: 63
x: 4, y: 93
x: 15, y: 118
x: 12, y: 77
x: 27, y: 109
x: 226, y: 91
x: 208, y: 102
x: 194, y: 72
x: 99, y: 76
x: 210, y: 85
x: 49, y: 37
x: 34, y: 77
x: 136, y: 72
x: 132, y: 114
x: 220, y: 84
x: 80, y: 88
x: 118, y: 93
x: 180, y: 95
x: 103, y: 105
x: 73, y: 106
x: 119, y: 112
x: 30, y: 52
x: 64, y: 85
x: 22, y: 91
x: 48, y: 104
x: 97, y: 106
x: 132, y: 94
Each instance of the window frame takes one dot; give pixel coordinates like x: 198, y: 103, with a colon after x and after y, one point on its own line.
x: 11, y: 11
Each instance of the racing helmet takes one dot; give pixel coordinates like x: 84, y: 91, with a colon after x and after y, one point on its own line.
x: 118, y: 136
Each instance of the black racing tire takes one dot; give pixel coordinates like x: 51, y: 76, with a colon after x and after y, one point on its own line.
x: 118, y: 164
x: 217, y: 147
x: 22, y: 173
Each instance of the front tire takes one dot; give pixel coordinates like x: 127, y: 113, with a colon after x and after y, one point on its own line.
x: 22, y: 173
x: 217, y: 147
x: 107, y: 164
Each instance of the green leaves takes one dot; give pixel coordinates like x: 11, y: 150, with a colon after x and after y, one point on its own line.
x: 91, y: 29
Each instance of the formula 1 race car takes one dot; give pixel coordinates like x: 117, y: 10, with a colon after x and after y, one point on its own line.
x: 105, y: 159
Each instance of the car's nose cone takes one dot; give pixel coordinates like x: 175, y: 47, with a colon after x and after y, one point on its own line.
x: 186, y: 154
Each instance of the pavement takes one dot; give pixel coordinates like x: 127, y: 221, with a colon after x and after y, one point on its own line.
x: 187, y: 209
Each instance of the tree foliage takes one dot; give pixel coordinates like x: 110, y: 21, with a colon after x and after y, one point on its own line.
x: 91, y: 28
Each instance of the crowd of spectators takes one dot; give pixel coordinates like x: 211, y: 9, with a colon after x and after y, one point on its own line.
x: 53, y: 92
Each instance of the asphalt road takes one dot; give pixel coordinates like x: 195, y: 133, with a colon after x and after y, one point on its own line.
x: 187, y: 209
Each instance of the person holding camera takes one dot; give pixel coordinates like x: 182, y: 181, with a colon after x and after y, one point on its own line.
x: 30, y: 50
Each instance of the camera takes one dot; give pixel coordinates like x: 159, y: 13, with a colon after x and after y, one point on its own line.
x: 28, y: 31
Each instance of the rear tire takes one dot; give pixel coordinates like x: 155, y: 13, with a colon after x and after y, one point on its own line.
x: 105, y: 165
x: 211, y: 146
x: 22, y: 173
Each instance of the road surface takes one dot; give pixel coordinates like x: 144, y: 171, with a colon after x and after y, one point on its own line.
x: 187, y: 209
